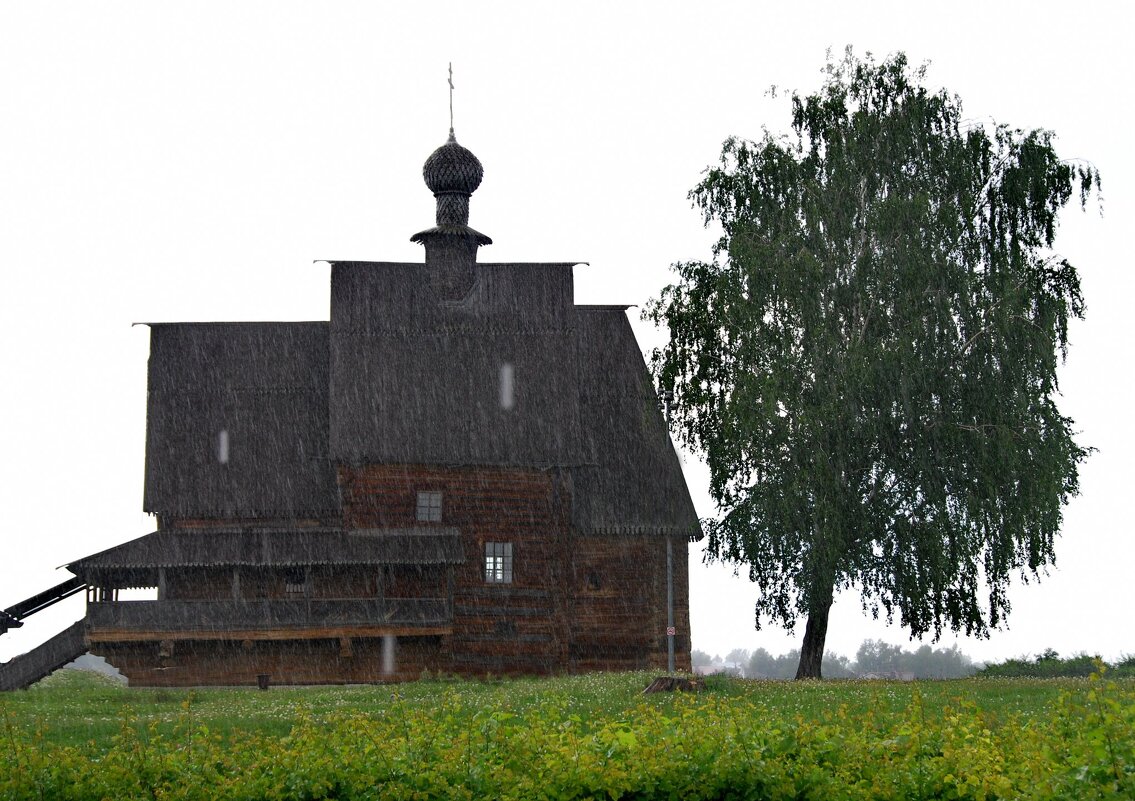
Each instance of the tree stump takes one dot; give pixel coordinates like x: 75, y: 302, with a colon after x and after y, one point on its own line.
x: 669, y: 684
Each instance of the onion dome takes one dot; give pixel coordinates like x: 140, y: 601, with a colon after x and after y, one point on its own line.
x: 452, y: 168
x: 452, y: 173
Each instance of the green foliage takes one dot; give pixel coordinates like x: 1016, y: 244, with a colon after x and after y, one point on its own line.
x: 592, y: 737
x: 1125, y: 667
x: 869, y: 361
x: 1049, y: 665
x: 873, y: 657
x: 925, y: 662
x: 763, y: 665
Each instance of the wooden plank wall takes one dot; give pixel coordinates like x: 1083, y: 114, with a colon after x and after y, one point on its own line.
x: 515, y: 628
x: 200, y: 584
x: 619, y: 602
x: 326, y: 581
x: 576, y: 602
x: 233, y: 663
x: 171, y: 521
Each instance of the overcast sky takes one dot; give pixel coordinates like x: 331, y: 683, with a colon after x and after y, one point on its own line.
x: 190, y: 163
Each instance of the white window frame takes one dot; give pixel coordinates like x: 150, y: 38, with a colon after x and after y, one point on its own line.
x: 429, y: 506
x: 498, y: 563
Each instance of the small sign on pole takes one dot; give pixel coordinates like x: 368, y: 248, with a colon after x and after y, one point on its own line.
x: 671, y: 631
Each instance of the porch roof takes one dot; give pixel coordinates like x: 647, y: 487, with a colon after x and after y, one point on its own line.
x: 278, y: 548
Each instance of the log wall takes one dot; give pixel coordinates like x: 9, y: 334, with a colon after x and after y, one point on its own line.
x: 199, y: 584
x: 235, y: 663
x: 618, y: 584
x: 576, y: 601
x: 321, y: 581
x: 516, y: 628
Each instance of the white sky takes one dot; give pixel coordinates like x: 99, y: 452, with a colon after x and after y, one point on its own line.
x: 189, y: 162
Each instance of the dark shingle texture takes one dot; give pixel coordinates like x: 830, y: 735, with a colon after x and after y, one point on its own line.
x: 265, y: 386
x: 453, y: 168
x: 418, y: 380
x: 635, y: 482
x: 400, y: 376
x: 279, y: 548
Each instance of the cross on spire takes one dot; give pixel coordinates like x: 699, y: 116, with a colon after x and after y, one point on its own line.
x: 451, y: 136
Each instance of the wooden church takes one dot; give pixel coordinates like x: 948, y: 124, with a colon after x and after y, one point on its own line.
x: 463, y: 471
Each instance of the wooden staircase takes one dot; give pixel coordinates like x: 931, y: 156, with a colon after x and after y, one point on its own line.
x: 26, y: 669
x: 64, y: 647
x: 13, y: 616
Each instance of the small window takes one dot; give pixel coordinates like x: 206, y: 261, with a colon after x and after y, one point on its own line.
x: 498, y: 562
x: 295, y: 581
x: 429, y: 507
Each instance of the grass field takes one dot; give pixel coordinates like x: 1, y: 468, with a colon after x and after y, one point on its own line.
x: 77, y: 735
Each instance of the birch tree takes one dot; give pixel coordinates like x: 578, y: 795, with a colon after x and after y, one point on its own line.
x: 869, y: 360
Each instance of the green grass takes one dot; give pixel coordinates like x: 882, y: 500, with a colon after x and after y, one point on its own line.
x: 76, y: 708
x: 77, y: 735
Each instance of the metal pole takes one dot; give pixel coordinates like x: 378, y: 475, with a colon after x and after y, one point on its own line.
x: 669, y: 604
x: 667, y: 397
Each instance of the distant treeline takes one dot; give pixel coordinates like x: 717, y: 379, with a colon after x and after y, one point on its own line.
x: 876, y: 658
x: 1049, y: 665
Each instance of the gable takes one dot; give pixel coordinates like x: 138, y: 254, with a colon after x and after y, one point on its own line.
x: 490, y: 379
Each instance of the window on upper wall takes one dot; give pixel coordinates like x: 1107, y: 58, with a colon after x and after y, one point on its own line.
x: 295, y: 581
x: 429, y: 507
x: 498, y: 562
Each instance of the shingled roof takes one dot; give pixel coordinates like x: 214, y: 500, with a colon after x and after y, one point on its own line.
x: 278, y: 548
x: 400, y: 376
x: 237, y: 420
x: 418, y: 380
x: 634, y: 481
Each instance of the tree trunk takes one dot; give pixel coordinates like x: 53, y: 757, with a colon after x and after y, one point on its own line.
x: 815, y: 634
